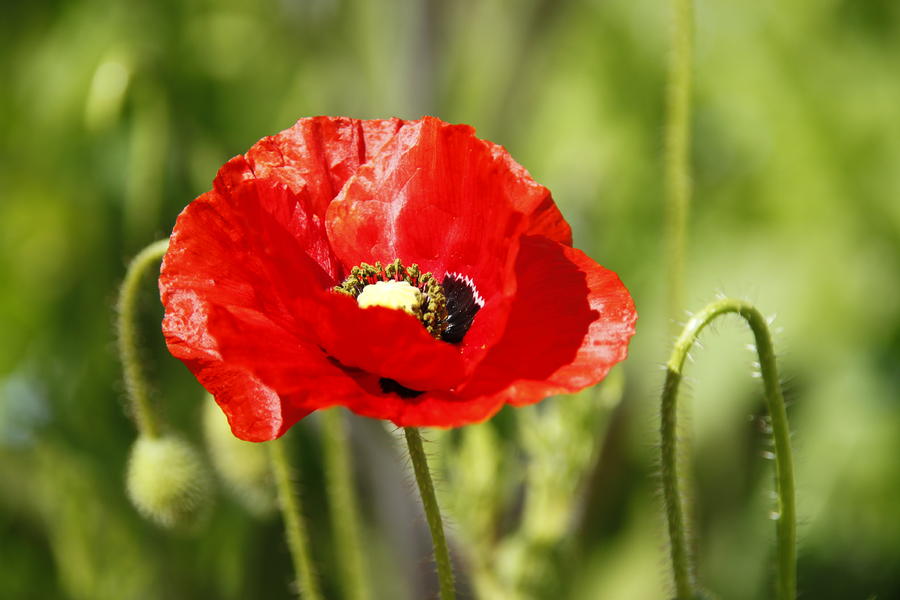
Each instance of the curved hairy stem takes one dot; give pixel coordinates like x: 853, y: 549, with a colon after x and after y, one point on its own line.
x: 682, y: 562
x: 344, y: 509
x: 677, y: 151
x: 432, y: 512
x: 136, y: 386
x: 294, y: 525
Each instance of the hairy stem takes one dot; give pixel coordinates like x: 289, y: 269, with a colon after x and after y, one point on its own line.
x: 786, y: 528
x: 677, y: 151
x: 432, y: 512
x: 344, y: 509
x: 294, y: 525
x: 136, y: 386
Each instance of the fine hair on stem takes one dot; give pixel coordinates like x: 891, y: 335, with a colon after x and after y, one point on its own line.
x: 683, y: 567
x: 136, y: 386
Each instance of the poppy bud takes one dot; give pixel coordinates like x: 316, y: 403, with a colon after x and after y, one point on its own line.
x: 167, y: 481
x: 243, y: 466
x: 109, y: 87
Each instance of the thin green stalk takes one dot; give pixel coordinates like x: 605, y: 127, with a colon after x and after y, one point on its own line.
x: 136, y: 386
x: 432, y: 512
x: 294, y: 525
x: 677, y: 151
x: 786, y: 524
x: 344, y: 509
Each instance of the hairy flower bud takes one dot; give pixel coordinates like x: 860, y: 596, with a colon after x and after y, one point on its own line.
x: 242, y: 466
x: 167, y: 481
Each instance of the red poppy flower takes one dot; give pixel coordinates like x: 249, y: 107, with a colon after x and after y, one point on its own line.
x: 404, y: 269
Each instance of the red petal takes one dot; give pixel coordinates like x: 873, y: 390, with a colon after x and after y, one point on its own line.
x: 264, y: 378
x: 254, y: 246
x: 432, y: 409
x: 316, y: 155
x: 544, y: 216
x: 249, y: 251
x: 570, y: 323
x: 383, y: 342
x: 438, y: 196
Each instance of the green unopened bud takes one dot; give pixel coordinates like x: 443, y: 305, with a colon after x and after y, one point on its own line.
x: 167, y: 481
x: 243, y: 466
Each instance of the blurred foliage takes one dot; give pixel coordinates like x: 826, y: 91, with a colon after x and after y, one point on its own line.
x: 113, y: 116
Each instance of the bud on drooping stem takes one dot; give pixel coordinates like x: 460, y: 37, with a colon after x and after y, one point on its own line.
x: 167, y: 481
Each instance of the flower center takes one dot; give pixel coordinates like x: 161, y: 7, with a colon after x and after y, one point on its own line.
x: 446, y: 309
x: 399, y: 287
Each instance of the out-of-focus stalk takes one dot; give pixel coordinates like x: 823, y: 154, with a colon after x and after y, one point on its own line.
x: 344, y: 508
x: 294, y: 524
x: 677, y: 153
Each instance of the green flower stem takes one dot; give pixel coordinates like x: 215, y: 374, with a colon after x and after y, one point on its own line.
x: 136, y: 386
x: 432, y: 512
x: 786, y: 529
x: 677, y: 151
x: 295, y: 527
x: 344, y: 509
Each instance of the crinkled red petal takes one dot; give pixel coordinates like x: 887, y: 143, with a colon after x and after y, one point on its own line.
x: 263, y: 377
x: 440, y: 197
x: 255, y: 246
x: 249, y: 252
x: 544, y: 217
x: 317, y: 156
x: 431, y: 409
x: 383, y: 342
x: 570, y: 323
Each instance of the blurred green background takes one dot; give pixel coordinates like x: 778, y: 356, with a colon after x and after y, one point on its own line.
x: 114, y: 115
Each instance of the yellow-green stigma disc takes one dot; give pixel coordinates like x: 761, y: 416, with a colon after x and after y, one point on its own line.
x: 398, y: 295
